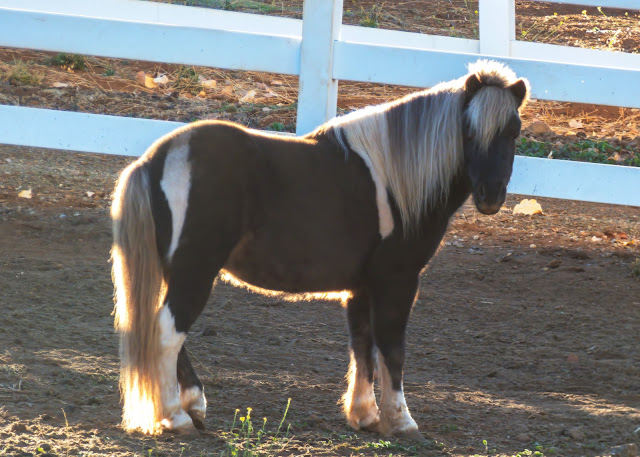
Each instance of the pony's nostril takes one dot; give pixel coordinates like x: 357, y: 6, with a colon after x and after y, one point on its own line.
x: 482, y: 191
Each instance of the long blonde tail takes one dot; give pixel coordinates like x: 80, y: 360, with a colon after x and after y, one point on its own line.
x: 139, y: 286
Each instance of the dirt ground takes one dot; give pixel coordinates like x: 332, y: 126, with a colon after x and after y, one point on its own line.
x: 525, y: 333
x: 524, y: 337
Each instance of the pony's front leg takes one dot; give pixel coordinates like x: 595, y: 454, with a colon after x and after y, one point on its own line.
x: 359, y: 400
x: 392, y: 304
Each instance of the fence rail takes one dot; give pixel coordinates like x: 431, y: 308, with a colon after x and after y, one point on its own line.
x: 321, y: 51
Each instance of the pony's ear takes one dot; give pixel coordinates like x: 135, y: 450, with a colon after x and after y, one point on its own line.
x: 520, y: 90
x: 471, y: 86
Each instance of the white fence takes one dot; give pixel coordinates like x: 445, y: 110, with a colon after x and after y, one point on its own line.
x: 321, y: 51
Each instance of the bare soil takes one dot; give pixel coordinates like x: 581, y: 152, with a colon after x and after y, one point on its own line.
x: 525, y: 333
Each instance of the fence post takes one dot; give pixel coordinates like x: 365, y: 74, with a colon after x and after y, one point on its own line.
x: 317, y: 90
x: 497, y: 26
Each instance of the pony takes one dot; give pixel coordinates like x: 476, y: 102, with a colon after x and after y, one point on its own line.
x: 359, y: 205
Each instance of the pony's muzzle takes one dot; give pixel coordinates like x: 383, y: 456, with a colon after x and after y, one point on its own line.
x: 489, y: 198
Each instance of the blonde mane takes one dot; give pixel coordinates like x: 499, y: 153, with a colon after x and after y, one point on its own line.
x: 414, y: 145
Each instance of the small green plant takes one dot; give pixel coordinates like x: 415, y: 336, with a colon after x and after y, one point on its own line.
x: 233, y: 5
x: 277, y: 126
x: 266, y: 7
x: 66, y: 422
x: 247, y: 442
x: 533, y: 148
x: 392, y: 446
x: 448, y: 428
x: 613, y: 40
x: 43, y: 448
x: 109, y: 72
x: 229, y: 5
x: 471, y: 11
x: 542, y: 32
x: 22, y: 74
x: 229, y: 108
x: 371, y: 18
x: 486, y: 449
x: 601, y: 12
x: 187, y: 80
x: 595, y: 151
x: 68, y: 61
x: 529, y: 453
x: 470, y: 14
x: 635, y: 268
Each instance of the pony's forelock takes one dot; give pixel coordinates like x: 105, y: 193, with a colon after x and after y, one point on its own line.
x: 492, y: 98
x: 492, y: 73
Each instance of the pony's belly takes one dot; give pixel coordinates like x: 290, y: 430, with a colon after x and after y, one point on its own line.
x: 287, y: 284
x: 310, y: 268
x: 288, y: 278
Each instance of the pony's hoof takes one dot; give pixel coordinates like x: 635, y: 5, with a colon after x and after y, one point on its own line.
x: 373, y: 427
x: 198, y: 419
x: 187, y: 430
x: 180, y: 424
x: 411, y: 434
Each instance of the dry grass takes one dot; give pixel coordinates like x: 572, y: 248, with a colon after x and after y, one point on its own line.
x: 21, y: 73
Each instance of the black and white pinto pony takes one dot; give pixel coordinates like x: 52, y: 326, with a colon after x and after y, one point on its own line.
x: 360, y: 205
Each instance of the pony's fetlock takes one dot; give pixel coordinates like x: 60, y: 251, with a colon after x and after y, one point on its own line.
x: 194, y: 403
x: 398, y: 422
x: 363, y: 415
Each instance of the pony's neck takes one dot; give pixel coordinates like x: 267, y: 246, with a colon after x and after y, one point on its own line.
x: 439, y: 214
x: 414, y: 146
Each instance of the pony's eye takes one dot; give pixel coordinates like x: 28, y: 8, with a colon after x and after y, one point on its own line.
x: 511, y: 133
x: 512, y: 129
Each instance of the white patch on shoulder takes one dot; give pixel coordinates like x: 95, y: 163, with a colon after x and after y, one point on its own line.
x: 385, y: 218
x: 176, y: 183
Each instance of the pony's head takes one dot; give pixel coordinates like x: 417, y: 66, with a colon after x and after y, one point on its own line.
x: 493, y: 98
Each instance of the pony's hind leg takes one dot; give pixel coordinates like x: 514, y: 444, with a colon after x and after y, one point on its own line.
x: 192, y: 397
x: 189, y: 286
x: 359, y: 400
x: 392, y: 304
x: 171, y: 340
